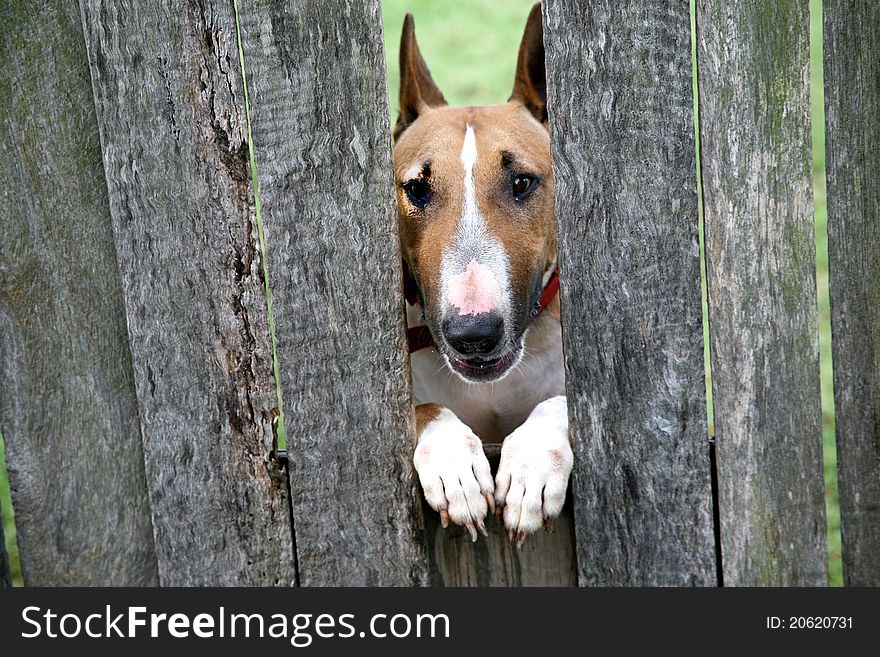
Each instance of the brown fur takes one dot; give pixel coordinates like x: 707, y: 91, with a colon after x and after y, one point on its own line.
x: 425, y: 414
x: 526, y: 409
x: 417, y: 88
x: 530, y: 85
x: 430, y: 137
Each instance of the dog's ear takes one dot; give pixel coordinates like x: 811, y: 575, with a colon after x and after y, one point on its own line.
x: 530, y: 85
x: 418, y: 92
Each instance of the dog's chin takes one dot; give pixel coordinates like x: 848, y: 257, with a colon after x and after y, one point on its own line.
x: 486, y: 370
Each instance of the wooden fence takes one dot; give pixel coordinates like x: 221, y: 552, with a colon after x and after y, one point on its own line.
x: 137, y: 396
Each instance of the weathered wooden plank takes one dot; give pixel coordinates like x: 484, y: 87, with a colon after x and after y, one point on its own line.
x: 620, y: 105
x: 68, y: 410
x: 316, y: 71
x: 543, y: 560
x: 753, y: 71
x: 171, y: 114
x: 852, y: 123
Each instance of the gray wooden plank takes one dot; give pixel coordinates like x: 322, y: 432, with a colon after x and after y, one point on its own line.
x: 316, y: 72
x: 68, y: 410
x: 852, y: 124
x: 544, y: 559
x: 753, y: 71
x: 171, y: 115
x: 620, y: 106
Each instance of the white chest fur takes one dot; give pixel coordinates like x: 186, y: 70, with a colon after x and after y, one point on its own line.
x: 494, y: 410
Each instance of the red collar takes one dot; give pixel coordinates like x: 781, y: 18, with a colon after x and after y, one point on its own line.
x: 419, y: 337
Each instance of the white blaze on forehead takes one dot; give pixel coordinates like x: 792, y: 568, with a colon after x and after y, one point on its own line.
x: 471, y: 221
x: 469, y: 156
x: 474, y: 274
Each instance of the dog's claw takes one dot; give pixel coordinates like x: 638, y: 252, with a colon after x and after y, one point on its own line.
x: 490, y: 500
x: 482, y: 527
x: 548, y: 525
x: 455, y: 476
x: 520, y: 539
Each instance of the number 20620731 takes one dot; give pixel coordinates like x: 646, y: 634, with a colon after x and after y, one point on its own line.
x: 810, y: 623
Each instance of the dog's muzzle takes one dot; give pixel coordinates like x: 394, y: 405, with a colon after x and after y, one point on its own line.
x: 474, y: 335
x: 477, y: 347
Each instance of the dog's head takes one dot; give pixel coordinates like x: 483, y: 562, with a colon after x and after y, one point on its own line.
x: 475, y: 209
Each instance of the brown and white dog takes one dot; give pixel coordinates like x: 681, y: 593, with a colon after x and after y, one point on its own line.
x: 478, y: 236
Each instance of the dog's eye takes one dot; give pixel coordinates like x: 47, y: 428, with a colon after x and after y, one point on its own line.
x: 418, y: 191
x: 522, y: 186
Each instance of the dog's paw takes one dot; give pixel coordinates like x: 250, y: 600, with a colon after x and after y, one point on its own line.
x: 454, y: 472
x: 536, y: 462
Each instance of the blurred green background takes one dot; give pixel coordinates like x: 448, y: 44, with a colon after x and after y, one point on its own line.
x: 471, y: 49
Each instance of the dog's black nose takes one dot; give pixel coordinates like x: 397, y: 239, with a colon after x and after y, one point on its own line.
x: 474, y: 335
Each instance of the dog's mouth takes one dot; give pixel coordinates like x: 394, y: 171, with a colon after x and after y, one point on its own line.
x: 484, y: 370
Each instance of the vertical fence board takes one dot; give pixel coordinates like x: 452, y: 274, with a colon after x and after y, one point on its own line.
x: 170, y: 108
x: 620, y: 103
x: 545, y: 559
x: 753, y: 71
x: 68, y: 410
x: 852, y: 111
x: 316, y: 71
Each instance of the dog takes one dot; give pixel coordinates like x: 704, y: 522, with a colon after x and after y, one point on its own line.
x: 478, y: 239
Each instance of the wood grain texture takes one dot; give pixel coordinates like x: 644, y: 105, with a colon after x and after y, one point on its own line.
x: 620, y: 105
x: 171, y: 114
x: 852, y: 123
x: 316, y: 72
x: 68, y: 409
x: 545, y: 559
x: 753, y: 71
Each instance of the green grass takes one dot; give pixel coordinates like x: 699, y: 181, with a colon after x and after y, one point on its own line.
x: 817, y: 96
x: 8, y: 519
x: 470, y: 47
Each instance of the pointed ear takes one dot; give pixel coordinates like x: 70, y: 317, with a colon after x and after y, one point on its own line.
x: 530, y: 85
x: 418, y: 92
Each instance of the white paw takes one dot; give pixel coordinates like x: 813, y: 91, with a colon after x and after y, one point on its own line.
x: 536, y: 462
x: 454, y: 472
